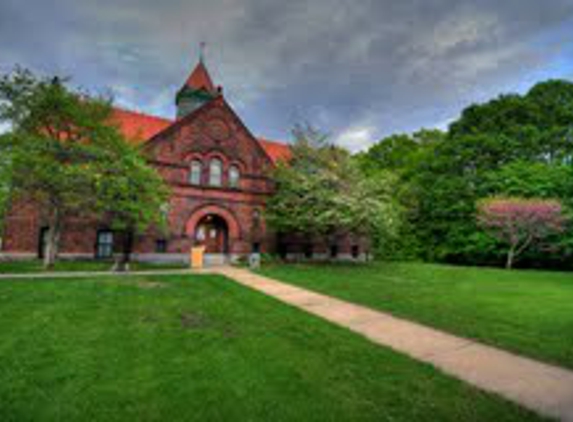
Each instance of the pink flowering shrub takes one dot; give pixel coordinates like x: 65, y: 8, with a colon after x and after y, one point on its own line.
x: 520, y: 222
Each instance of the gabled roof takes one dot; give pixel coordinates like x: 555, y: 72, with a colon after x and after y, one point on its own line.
x: 138, y: 128
x: 200, y: 79
x: 277, y: 151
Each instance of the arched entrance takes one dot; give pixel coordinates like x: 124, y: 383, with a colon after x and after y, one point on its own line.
x: 212, y: 232
x: 216, y: 228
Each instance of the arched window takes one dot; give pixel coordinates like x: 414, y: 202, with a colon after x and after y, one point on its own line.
x: 234, y: 176
x: 195, y: 172
x: 215, y: 172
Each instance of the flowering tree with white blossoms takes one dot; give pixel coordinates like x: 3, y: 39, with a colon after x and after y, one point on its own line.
x: 321, y: 191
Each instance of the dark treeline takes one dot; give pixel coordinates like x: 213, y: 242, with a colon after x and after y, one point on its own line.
x: 514, y: 145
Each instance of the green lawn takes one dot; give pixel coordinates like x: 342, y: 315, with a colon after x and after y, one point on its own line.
x: 30, y: 266
x: 529, y: 312
x: 204, y: 348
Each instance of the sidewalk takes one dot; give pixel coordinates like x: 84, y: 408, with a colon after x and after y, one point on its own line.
x: 541, y: 387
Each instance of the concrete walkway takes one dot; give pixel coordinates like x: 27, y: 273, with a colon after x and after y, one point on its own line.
x: 543, y: 388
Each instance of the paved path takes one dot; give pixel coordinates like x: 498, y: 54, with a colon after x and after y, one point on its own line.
x: 538, y: 386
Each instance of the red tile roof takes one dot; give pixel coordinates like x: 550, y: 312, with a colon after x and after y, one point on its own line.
x: 138, y: 127
x: 200, y: 79
x: 277, y: 151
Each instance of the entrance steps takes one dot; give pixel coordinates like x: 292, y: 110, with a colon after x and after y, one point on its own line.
x: 211, y: 260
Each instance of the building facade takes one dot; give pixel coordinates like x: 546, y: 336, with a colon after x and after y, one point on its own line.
x: 218, y: 173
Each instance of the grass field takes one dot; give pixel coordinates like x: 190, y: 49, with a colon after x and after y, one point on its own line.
x: 30, y: 266
x: 203, y: 348
x: 529, y: 312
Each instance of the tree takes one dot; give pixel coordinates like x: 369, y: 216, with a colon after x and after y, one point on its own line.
x: 513, y: 145
x: 537, y: 125
x: 520, y: 222
x: 404, y: 157
x: 132, y: 195
x: 321, y: 191
x: 530, y: 180
x: 395, y: 153
x: 448, y: 180
x: 399, y: 153
x: 5, y: 183
x: 65, y: 156
x: 49, y: 147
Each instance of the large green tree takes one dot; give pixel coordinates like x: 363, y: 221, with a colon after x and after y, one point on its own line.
x: 66, y: 157
x: 131, y: 195
x: 503, y: 136
x: 405, y: 155
x: 321, y: 192
x: 512, y: 145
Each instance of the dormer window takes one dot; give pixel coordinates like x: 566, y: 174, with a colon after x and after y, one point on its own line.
x: 215, y: 172
x: 234, y: 176
x: 195, y: 172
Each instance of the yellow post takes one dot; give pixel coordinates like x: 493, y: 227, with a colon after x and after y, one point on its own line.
x: 197, y: 256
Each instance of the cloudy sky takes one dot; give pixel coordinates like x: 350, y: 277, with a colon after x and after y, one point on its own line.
x: 359, y: 69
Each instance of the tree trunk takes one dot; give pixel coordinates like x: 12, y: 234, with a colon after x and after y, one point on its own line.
x: 126, y: 250
x: 53, y: 240
x: 514, y: 251
x: 510, y: 258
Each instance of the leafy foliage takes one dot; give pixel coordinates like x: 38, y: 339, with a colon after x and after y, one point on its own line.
x: 514, y: 145
x: 66, y: 157
x: 520, y: 222
x: 5, y: 181
x: 130, y: 191
x: 322, y: 192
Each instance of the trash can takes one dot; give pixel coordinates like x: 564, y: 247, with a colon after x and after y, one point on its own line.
x: 197, y: 253
x: 255, y: 261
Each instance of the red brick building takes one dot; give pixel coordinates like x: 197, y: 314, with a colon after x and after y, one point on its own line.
x: 218, y: 174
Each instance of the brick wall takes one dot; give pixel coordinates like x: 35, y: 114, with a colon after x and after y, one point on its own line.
x: 212, y: 132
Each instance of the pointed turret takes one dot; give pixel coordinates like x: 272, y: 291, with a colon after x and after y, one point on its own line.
x: 200, y: 79
x: 197, y: 90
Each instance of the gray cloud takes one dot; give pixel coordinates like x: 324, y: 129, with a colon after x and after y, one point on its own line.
x: 359, y: 69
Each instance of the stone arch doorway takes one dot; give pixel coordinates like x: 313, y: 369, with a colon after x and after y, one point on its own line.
x: 217, y: 229
x: 212, y: 232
